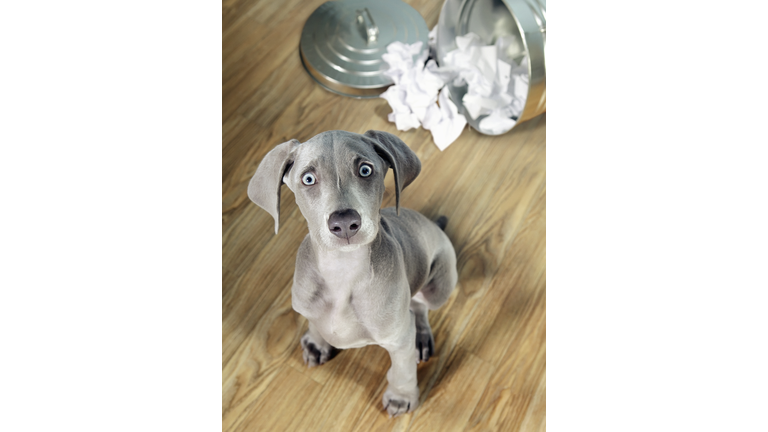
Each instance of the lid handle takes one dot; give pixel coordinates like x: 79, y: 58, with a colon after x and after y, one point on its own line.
x: 365, y: 19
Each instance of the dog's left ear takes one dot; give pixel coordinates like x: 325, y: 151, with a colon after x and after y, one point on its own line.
x: 264, y: 188
x: 401, y: 158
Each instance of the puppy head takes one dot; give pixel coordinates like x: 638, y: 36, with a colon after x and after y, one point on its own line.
x: 337, y: 178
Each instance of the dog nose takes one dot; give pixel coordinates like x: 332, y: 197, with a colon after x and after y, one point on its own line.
x: 344, y: 223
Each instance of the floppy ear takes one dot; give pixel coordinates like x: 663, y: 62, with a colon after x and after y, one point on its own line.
x: 400, y: 157
x: 264, y: 188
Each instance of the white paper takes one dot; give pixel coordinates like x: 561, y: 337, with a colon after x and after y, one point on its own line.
x: 445, y: 122
x: 496, y: 86
x: 496, y: 123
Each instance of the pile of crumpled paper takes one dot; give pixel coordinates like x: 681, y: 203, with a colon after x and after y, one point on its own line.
x: 496, y: 86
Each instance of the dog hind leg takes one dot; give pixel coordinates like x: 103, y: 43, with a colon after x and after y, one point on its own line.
x: 425, y: 342
x: 442, y: 280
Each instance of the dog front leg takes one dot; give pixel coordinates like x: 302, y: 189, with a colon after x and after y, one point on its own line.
x: 316, y: 350
x: 402, y: 394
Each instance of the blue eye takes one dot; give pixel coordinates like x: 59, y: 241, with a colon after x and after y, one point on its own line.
x: 308, y: 179
x: 365, y: 170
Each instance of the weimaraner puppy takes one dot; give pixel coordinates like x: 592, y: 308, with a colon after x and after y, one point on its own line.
x: 364, y: 275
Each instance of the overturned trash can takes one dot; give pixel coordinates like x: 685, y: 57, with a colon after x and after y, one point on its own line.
x: 521, y: 26
x: 489, y: 53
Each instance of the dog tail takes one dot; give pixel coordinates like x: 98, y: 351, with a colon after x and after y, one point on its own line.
x: 442, y: 221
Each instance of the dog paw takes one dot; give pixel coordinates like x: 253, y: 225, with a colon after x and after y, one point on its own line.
x: 396, y: 403
x: 316, y: 352
x: 425, y: 345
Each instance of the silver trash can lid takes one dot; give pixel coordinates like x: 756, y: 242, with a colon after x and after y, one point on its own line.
x: 342, y: 43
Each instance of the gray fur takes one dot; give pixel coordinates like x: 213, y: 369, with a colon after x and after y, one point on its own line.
x: 374, y: 287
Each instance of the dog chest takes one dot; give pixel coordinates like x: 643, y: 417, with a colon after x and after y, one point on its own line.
x: 343, y: 275
x: 343, y: 328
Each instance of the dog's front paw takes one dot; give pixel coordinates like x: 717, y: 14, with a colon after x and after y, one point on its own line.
x: 397, y: 403
x: 316, y: 352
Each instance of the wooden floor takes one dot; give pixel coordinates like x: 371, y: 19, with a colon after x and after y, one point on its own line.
x: 489, y: 369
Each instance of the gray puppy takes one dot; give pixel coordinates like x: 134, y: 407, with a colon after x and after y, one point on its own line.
x: 364, y: 275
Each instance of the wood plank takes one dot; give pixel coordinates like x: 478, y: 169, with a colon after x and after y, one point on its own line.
x: 513, y: 292
x: 536, y: 417
x: 355, y: 382
x: 514, y: 384
x: 258, y: 359
x: 455, y: 394
x: 289, y: 387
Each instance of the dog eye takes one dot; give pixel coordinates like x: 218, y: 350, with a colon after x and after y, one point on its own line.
x: 308, y: 179
x: 365, y: 170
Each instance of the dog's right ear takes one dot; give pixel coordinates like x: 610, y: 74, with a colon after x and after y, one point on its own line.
x: 404, y: 162
x: 264, y: 188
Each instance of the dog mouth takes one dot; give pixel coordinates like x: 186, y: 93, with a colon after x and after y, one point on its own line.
x: 345, y: 240
x: 345, y: 235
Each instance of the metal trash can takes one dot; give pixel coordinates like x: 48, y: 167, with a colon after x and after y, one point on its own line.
x: 490, y: 19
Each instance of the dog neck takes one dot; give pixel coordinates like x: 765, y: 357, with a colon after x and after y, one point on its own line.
x: 341, y: 269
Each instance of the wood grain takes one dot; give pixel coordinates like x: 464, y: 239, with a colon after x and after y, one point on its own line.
x: 489, y: 371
